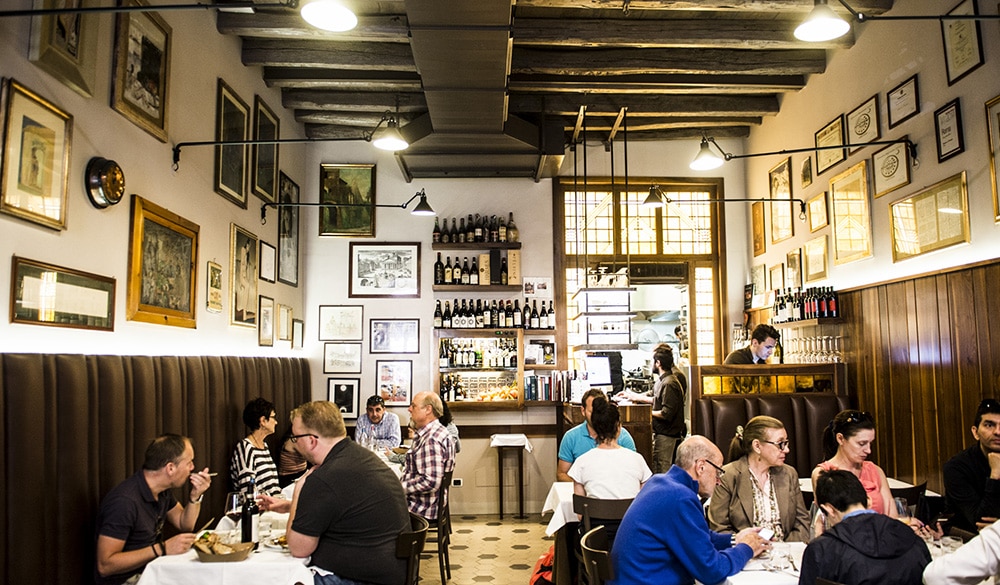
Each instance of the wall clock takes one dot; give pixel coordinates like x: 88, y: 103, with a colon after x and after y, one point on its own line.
x: 105, y: 182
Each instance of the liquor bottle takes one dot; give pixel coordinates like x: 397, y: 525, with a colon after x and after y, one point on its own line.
x: 512, y: 232
x: 487, y: 315
x: 494, y: 229
x: 446, y: 317
x: 438, y: 315
x: 470, y: 230
x: 445, y: 233
x: 438, y: 271
x: 509, y: 316
x: 495, y: 317
x: 461, y: 231
x: 535, y: 322
x: 503, y: 272
x: 474, y: 272
x: 250, y: 517
x: 543, y: 318
x: 446, y: 275
x: 502, y: 231
x: 552, y: 316
x: 436, y: 234
x: 479, y: 313
x: 465, y: 271
x: 479, y: 229
x: 517, y: 315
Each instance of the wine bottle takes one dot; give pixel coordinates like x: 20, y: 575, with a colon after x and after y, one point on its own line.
x: 436, y: 234
x: 502, y: 231
x: 470, y: 230
x: 438, y: 270
x: 552, y: 316
x: 465, y: 271
x: 543, y: 318
x: 487, y: 315
x: 509, y: 316
x: 495, y: 316
x: 454, y: 231
x: 446, y: 318
x: 438, y: 315
x: 461, y: 231
x: 474, y: 272
x: 526, y: 315
x: 250, y: 517
x: 478, y: 235
x: 833, y: 303
x: 494, y: 229
x: 512, y: 232
x: 479, y: 313
x: 503, y: 272
x: 517, y: 315
x: 445, y: 233
x: 446, y: 276
x: 535, y: 322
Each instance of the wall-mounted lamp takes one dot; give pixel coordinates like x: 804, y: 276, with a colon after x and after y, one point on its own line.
x: 422, y: 208
x: 706, y: 159
x: 389, y: 138
x: 823, y: 24
x: 657, y: 198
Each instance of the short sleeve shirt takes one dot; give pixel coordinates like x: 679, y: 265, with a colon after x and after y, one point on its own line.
x: 578, y: 441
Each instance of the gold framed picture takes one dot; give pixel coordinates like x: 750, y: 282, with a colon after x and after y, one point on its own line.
x: 354, y: 185
x: 243, y: 247
x: 852, y: 220
x: 780, y: 181
x: 140, y: 89
x: 65, y: 46
x: 817, y: 212
x: 777, y: 277
x: 757, y: 213
x: 935, y: 218
x: 814, y: 259
x: 46, y: 294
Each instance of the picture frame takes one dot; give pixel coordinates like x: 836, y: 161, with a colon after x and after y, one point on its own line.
x: 268, y: 256
x: 758, y: 278
x: 264, y: 157
x: 65, y: 47
x: 832, y: 134
x: 780, y: 182
x: 806, y: 172
x: 757, y: 215
x: 354, y: 186
x: 903, y: 101
x: 384, y: 270
x: 265, y: 321
x: 948, y: 130
x: 140, y: 88
x: 963, y: 43
x: 863, y: 124
x: 341, y: 322
x: 163, y: 266
x: 56, y: 296
x: 891, y: 168
x: 242, y: 277
x: 394, y: 381
x: 213, y: 281
x: 288, y: 232
x: 232, y: 122
x: 818, y: 218
x: 814, y: 264
x: 298, y: 333
x: 394, y: 336
x: 933, y: 219
x: 777, y: 276
x: 34, y: 164
x: 793, y: 269
x: 536, y: 287
x: 342, y: 358
x: 852, y: 223
x: 284, y: 329
x: 346, y: 394
x: 993, y: 130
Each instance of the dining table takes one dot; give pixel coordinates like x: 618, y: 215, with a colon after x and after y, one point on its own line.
x: 563, y: 526
x: 757, y: 572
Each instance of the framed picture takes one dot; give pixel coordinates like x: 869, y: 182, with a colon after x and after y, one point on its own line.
x: 903, y: 101
x: 830, y: 135
x: 341, y: 322
x: 538, y: 287
x: 288, y: 232
x: 891, y: 168
x: 863, y: 125
x: 298, y: 333
x: 806, y: 172
x: 757, y: 214
x: 65, y: 46
x: 264, y: 157
x: 243, y: 276
x: 933, y: 219
x: 780, y: 179
x: 852, y: 227
x: 747, y: 297
x: 346, y: 394
x: 342, y: 358
x: 45, y: 294
x: 163, y: 266
x: 394, y: 381
x: 793, y: 268
x: 777, y: 277
x: 814, y: 259
x: 384, y: 270
x: 284, y: 322
x: 394, y: 336
x: 35, y: 158
x: 948, y: 129
x: 214, y: 293
x: 139, y: 89
x: 993, y: 129
x: 963, y: 45
x: 817, y: 212
x: 267, y: 261
x: 232, y: 122
x: 265, y: 322
x: 758, y: 278
x: 353, y: 185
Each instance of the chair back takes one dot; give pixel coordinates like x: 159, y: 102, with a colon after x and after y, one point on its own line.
x: 596, y: 557
x: 409, y: 545
x: 914, y: 496
x: 590, y: 508
x: 443, y: 509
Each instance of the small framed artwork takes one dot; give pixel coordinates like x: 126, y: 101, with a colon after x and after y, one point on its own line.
x: 394, y: 381
x: 268, y: 254
x: 288, y: 232
x: 394, y: 336
x: 778, y: 277
x: 214, y: 292
x: 993, y: 129
x: 757, y: 214
x: 45, y: 294
x: 780, y: 178
x: 747, y: 297
x: 341, y: 322
x: 265, y: 321
x: 863, y: 125
x: 758, y: 278
x: 814, y: 259
x: 384, y: 270
x: 817, y: 212
x: 891, y: 168
x: 163, y: 266
x: 243, y: 276
x: 948, y: 129
x: 793, y: 268
x: 35, y: 158
x: 935, y: 218
x: 806, y: 172
x: 342, y: 358
x: 903, y: 101
x: 354, y: 187
x: 284, y: 322
x: 232, y: 122
x: 963, y: 45
x: 264, y: 157
x: 65, y: 46
x: 298, y: 333
x: 829, y: 137
x: 140, y: 86
x: 346, y: 394
x: 852, y: 220
x: 538, y: 287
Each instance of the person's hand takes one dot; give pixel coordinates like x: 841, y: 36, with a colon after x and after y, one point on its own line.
x: 751, y: 538
x: 179, y: 544
x: 994, y: 461
x: 985, y: 520
x: 200, y: 482
x: 272, y: 504
x: 928, y: 533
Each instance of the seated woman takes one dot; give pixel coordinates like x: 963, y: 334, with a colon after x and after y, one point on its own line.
x: 449, y: 424
x: 251, y: 466
x: 758, y: 489
x: 847, y: 444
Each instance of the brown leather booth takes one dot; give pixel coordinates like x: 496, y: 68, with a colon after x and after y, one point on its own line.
x: 74, y: 426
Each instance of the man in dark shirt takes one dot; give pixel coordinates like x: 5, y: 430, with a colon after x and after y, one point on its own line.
x: 762, y: 343
x: 668, y: 408
x: 972, y: 477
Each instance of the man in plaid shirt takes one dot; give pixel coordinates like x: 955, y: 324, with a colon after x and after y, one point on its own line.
x: 432, y: 455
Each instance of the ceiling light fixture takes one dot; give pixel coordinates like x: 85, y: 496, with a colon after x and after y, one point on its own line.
x: 706, y: 160
x: 823, y: 24
x: 422, y: 208
x: 657, y: 198
x: 705, y: 152
x: 329, y: 15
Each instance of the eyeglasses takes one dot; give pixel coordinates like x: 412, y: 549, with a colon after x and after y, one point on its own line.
x: 781, y: 445
x: 719, y: 472
x: 295, y: 438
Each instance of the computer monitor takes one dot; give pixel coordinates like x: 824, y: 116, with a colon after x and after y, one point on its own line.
x: 598, y: 370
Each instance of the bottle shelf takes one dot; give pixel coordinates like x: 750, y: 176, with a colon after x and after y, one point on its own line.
x: 463, y: 370
x: 477, y: 246
x: 809, y: 323
x: 476, y: 288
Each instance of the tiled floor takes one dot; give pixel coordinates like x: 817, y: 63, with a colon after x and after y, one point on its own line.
x: 485, y: 549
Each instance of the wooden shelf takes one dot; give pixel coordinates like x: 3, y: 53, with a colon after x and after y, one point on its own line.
x: 477, y: 246
x: 605, y: 346
x: 458, y: 405
x: 460, y: 370
x: 472, y: 288
x: 540, y: 367
x: 809, y: 323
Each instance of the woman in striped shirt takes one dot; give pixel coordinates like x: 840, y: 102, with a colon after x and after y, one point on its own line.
x: 251, y: 465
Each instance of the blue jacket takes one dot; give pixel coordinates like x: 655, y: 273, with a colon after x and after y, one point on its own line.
x: 664, y: 538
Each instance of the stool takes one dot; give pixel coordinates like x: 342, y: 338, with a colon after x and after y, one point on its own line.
x: 503, y: 443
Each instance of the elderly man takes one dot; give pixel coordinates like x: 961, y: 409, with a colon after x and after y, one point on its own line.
x: 432, y: 455
x: 762, y: 343
x: 378, y: 425
x: 130, y: 523
x: 582, y: 438
x: 972, y: 477
x: 664, y: 537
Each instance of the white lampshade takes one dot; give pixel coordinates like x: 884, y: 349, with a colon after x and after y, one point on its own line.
x: 822, y: 24
x: 328, y: 15
x: 706, y: 160
x: 390, y: 139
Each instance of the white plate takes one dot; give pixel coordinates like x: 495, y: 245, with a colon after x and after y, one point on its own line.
x: 272, y: 544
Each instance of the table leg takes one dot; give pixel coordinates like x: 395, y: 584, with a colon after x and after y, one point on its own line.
x: 500, y: 478
x: 520, y: 484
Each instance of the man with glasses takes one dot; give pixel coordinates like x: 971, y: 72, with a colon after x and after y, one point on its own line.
x: 378, y: 426
x: 972, y: 477
x: 432, y: 455
x: 664, y: 533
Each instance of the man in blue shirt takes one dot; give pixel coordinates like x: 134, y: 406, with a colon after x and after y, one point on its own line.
x: 378, y: 426
x: 582, y: 437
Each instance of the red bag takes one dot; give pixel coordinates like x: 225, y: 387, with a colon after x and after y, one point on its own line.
x: 542, y: 575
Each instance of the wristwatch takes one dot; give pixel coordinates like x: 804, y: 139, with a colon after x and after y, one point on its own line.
x: 202, y: 496
x: 105, y: 182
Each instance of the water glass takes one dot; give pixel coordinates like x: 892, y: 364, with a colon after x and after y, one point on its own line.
x: 780, y: 556
x: 902, y: 510
x: 950, y: 544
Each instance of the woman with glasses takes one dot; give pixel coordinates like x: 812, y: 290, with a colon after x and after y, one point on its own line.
x: 252, y: 466
x: 847, y: 444
x: 757, y: 488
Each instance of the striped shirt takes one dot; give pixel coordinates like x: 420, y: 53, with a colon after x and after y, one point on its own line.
x: 248, y: 463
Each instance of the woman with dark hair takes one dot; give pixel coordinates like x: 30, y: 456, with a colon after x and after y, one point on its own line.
x: 608, y: 472
x: 251, y: 465
x: 847, y: 444
x: 449, y: 424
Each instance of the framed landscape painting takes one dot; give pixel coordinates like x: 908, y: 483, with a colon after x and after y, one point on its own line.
x: 384, y: 270
x: 352, y: 186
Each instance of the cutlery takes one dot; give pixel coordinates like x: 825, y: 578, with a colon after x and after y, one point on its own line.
x: 205, y: 526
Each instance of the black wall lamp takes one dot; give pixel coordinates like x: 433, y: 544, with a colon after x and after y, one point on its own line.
x: 421, y: 209
x: 657, y: 198
x: 823, y: 24
x: 706, y: 159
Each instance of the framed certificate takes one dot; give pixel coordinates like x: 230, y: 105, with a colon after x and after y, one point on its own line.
x: 863, y: 124
x: 948, y: 130
x: 830, y: 135
x: 891, y: 168
x: 963, y: 45
x: 903, y: 101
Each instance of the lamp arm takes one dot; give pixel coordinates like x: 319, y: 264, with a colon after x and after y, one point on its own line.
x: 148, y: 8
x: 177, y: 147
x: 386, y: 116
x: 910, y: 145
x: 278, y: 205
x: 802, y: 204
x: 862, y: 17
x: 410, y: 200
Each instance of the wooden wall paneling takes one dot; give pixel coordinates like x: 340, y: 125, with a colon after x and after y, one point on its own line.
x: 957, y: 407
x: 931, y: 302
x: 895, y: 423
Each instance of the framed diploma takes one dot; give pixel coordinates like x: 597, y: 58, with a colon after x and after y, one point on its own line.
x: 830, y: 135
x: 903, y: 101
x: 948, y: 130
x: 891, y: 168
x: 863, y: 124
x: 852, y: 218
x: 963, y: 45
x: 993, y: 126
x: 935, y: 218
x: 814, y: 259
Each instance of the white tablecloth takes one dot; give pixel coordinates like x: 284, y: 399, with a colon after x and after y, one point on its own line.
x: 511, y: 440
x: 560, y: 503
x: 264, y: 567
x: 805, y: 484
x: 755, y: 573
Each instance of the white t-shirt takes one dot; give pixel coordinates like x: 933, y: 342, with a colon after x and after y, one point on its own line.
x: 610, y: 474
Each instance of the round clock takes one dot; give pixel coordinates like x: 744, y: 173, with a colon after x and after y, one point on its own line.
x: 105, y: 182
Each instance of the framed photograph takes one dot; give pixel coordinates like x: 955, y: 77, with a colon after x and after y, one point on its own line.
x: 65, y: 46
x: 214, y: 293
x: 948, y: 129
x: 341, y: 322
x: 814, y: 259
x: 933, y: 219
x: 394, y: 381
x: 863, y: 124
x: 45, y: 294
x: 394, y: 336
x: 891, y: 168
x: 232, y: 122
x: 993, y: 129
x: 852, y: 219
x: 284, y: 330
x: 538, y: 287
x: 265, y: 322
x: 288, y: 232
x: 163, y: 266
x: 757, y: 214
x: 384, y: 270
x: 903, y: 101
x: 963, y: 45
x: 342, y: 358
x: 793, y: 268
x: 268, y: 254
x: 758, y: 278
x: 243, y: 276
x: 139, y: 89
x: 830, y: 135
x: 806, y: 172
x: 817, y: 212
x: 264, y: 157
x: 777, y: 277
x: 35, y: 158
x: 780, y: 179
x: 346, y: 394
x: 298, y: 333
x: 353, y: 185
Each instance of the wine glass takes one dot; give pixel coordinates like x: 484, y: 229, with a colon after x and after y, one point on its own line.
x: 234, y: 509
x: 902, y: 510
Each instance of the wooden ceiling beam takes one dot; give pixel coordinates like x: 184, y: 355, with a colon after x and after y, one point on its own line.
x: 774, y: 6
x: 353, y: 101
x: 657, y: 83
x: 646, y: 105
x: 336, y: 79
x: 610, y: 62
x: 331, y: 54
x: 377, y: 28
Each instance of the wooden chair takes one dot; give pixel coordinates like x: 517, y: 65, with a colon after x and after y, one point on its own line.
x: 439, y: 532
x: 591, y: 509
x: 409, y: 545
x: 596, y: 557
